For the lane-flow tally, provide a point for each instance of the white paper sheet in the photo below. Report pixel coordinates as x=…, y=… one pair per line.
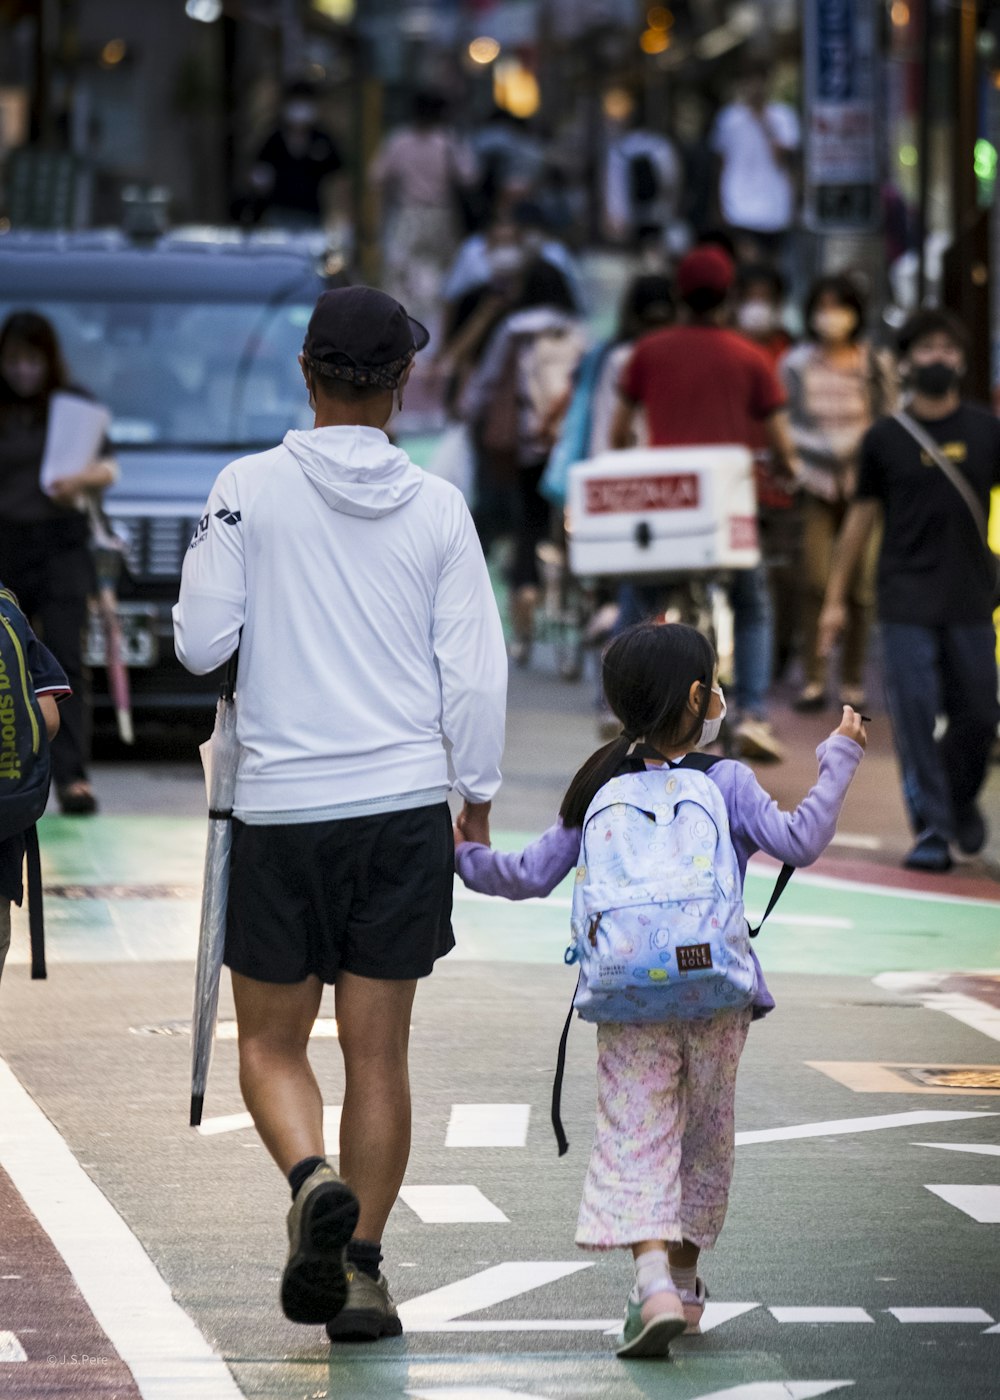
x=75, y=432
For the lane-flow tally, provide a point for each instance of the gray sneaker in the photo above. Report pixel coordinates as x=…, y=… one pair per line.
x=321, y=1221
x=369, y=1312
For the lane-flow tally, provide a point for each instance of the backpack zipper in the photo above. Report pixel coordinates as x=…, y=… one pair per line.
x=595, y=924
x=28, y=696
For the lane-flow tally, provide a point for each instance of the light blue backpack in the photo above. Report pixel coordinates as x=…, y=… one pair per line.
x=659, y=929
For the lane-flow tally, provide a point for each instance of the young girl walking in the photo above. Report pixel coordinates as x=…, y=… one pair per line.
x=662, y=1162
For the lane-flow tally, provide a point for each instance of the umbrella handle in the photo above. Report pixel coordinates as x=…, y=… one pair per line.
x=228, y=689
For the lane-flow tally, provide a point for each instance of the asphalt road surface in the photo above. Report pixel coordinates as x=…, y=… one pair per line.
x=862, y=1250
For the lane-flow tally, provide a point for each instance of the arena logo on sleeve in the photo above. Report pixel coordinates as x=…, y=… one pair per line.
x=229, y=517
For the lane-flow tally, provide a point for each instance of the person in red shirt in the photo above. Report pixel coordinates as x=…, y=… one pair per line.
x=700, y=382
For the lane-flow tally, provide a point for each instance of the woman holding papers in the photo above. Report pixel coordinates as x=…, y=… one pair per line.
x=44, y=526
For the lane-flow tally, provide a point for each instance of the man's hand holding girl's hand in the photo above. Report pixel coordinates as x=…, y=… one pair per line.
x=852, y=727
x=473, y=824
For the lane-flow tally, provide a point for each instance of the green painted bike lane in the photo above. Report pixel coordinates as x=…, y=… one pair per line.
x=125, y=888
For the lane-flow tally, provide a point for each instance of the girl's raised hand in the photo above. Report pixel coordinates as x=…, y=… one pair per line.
x=852, y=727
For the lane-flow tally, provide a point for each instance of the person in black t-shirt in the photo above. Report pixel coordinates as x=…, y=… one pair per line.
x=293, y=163
x=45, y=535
x=935, y=589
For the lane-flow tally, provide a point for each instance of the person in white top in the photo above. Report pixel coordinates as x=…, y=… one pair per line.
x=418, y=179
x=755, y=141
x=371, y=679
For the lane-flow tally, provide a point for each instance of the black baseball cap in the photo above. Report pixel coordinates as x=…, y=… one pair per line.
x=363, y=336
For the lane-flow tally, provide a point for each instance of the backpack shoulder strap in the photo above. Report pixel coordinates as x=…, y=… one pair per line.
x=703, y=763
x=36, y=919
x=924, y=440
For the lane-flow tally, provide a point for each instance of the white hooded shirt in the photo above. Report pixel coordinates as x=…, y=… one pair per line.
x=372, y=667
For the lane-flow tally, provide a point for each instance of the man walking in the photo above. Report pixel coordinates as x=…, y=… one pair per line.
x=372, y=676
x=701, y=383
x=924, y=473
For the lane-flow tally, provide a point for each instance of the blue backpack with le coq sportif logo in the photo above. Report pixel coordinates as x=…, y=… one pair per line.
x=25, y=771
x=659, y=928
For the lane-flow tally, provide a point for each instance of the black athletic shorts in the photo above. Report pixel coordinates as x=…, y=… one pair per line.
x=369, y=895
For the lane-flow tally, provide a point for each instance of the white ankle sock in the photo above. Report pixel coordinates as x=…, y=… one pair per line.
x=652, y=1274
x=685, y=1280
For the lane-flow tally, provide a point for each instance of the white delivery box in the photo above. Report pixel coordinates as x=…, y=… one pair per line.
x=662, y=510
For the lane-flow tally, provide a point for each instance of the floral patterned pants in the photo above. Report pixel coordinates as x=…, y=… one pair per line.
x=662, y=1161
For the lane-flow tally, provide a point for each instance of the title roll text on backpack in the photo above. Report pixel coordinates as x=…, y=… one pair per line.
x=25, y=771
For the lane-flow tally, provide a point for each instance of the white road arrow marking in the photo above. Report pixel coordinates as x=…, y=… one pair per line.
x=820, y=1315
x=776, y=1390
x=11, y=1349
x=483, y=1290
x=986, y=1149
x=837, y=1126
x=980, y=1203
x=969, y=1010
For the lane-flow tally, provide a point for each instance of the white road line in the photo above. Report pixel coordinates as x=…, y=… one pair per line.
x=765, y=867
x=331, y=1128
x=11, y=1349
x=950, y=1315
x=857, y=841
x=488, y=1125
x=452, y=1205
x=820, y=1315
x=160, y=1344
x=979, y=1203
x=225, y=1123
x=837, y=1126
x=715, y=1315
x=984, y=1149
x=472, y=1392
x=482, y=1290
x=776, y=1390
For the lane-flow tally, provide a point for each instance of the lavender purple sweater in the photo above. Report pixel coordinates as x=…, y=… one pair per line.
x=756, y=823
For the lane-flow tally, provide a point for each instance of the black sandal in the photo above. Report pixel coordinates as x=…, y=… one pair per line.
x=77, y=800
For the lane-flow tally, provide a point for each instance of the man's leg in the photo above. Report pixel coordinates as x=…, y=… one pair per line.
x=373, y=1024
x=280, y=1090
x=753, y=639
x=912, y=667
x=279, y=1087
x=969, y=673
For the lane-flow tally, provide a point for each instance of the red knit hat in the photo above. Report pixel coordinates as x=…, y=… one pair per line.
x=708, y=269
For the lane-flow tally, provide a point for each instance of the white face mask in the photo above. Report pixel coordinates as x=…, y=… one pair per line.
x=756, y=317
x=710, y=729
x=836, y=324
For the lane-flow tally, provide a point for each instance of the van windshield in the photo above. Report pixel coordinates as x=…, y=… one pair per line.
x=187, y=374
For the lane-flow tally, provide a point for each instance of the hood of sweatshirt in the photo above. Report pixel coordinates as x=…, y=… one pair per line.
x=356, y=470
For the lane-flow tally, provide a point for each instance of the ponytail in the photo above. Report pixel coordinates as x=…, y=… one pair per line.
x=599, y=769
x=647, y=674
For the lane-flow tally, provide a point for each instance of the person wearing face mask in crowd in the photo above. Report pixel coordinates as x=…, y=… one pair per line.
x=936, y=586
x=45, y=535
x=293, y=164
x=760, y=296
x=837, y=385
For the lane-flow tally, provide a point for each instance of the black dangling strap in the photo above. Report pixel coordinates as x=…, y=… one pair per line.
x=787, y=871
x=557, y=1083
x=36, y=913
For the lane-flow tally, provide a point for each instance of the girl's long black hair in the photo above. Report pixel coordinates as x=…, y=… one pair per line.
x=648, y=672
x=28, y=328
